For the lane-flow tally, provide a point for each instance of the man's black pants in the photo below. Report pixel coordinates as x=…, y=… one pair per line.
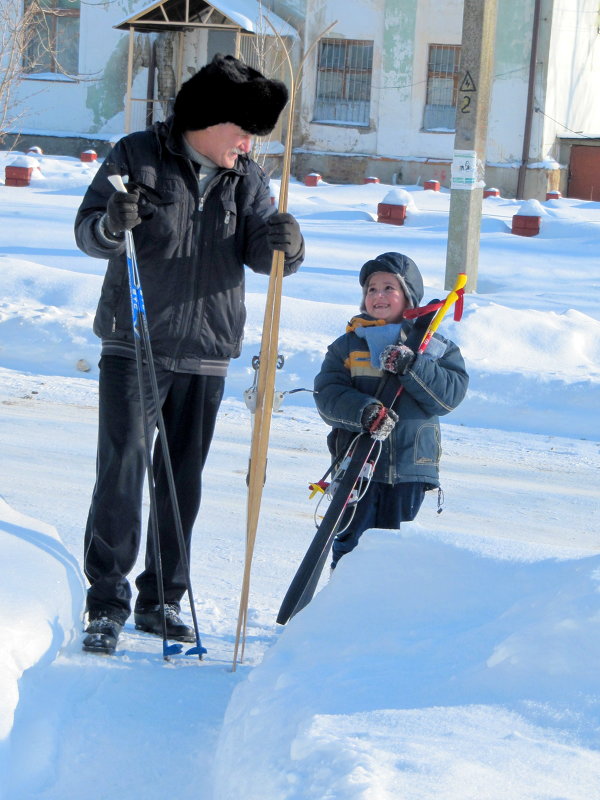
x=112, y=538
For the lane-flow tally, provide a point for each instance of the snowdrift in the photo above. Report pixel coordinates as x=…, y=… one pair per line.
x=426, y=670
x=41, y=597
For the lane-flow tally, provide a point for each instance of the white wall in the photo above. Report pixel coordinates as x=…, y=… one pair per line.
x=94, y=101
x=401, y=31
x=573, y=72
x=364, y=22
x=401, y=114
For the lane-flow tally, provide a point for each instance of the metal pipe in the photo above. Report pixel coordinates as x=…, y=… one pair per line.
x=530, y=101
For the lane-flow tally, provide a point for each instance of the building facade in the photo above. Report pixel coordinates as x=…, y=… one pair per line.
x=378, y=93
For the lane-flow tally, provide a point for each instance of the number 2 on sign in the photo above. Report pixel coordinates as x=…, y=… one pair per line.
x=466, y=102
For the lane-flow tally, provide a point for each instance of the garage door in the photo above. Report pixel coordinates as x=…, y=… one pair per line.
x=584, y=173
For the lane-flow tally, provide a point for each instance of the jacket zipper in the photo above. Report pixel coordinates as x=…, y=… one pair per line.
x=186, y=322
x=199, y=240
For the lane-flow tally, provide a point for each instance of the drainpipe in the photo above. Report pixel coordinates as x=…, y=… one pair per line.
x=530, y=101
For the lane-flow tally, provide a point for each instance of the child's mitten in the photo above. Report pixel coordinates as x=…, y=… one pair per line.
x=379, y=421
x=397, y=358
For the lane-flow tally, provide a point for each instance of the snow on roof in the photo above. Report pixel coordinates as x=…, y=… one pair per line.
x=249, y=15
x=255, y=15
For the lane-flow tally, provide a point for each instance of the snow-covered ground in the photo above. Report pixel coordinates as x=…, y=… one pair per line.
x=454, y=660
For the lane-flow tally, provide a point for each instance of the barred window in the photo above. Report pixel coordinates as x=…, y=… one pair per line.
x=344, y=74
x=442, y=87
x=54, y=42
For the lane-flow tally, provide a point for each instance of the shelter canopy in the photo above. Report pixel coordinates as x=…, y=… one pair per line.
x=249, y=16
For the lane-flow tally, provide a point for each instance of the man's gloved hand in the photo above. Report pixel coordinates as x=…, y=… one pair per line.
x=378, y=421
x=283, y=233
x=122, y=211
x=397, y=358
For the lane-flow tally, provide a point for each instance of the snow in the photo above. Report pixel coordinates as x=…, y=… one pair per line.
x=25, y=161
x=409, y=730
x=456, y=658
x=399, y=197
x=531, y=208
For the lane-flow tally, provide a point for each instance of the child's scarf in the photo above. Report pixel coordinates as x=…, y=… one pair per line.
x=378, y=337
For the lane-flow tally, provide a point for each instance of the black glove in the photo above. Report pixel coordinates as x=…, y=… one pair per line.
x=122, y=211
x=283, y=233
x=378, y=421
x=397, y=358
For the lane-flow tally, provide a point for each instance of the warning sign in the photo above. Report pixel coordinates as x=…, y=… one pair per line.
x=468, y=84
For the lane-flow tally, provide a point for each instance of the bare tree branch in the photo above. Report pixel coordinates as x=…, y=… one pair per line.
x=16, y=33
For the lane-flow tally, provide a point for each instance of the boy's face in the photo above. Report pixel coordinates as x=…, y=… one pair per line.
x=384, y=298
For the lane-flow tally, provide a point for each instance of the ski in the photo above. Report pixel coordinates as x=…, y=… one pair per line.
x=306, y=579
x=267, y=365
x=304, y=583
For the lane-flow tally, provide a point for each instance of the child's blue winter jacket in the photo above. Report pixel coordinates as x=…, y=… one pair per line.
x=434, y=385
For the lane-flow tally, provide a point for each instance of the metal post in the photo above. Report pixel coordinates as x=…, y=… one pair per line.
x=530, y=101
x=474, y=89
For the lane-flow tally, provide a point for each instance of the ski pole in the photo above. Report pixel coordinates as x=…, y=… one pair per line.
x=454, y=296
x=138, y=313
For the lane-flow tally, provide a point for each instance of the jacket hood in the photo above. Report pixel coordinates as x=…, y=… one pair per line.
x=403, y=267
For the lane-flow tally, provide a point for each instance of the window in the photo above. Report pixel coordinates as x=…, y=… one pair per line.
x=344, y=73
x=442, y=87
x=54, y=43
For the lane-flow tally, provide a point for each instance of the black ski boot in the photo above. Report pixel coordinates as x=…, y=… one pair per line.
x=102, y=635
x=149, y=619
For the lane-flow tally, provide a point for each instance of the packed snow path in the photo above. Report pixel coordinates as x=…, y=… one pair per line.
x=155, y=726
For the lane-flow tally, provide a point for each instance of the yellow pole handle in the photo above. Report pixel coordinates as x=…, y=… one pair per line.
x=452, y=297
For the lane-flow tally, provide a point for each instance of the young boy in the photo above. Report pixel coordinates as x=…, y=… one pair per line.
x=433, y=383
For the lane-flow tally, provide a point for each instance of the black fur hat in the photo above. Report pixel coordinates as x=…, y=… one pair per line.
x=227, y=90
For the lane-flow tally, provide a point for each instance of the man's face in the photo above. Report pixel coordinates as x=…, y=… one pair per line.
x=221, y=143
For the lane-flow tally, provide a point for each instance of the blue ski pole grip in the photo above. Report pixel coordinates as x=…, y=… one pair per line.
x=134, y=297
x=137, y=298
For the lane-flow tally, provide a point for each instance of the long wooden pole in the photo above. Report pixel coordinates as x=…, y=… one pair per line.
x=267, y=365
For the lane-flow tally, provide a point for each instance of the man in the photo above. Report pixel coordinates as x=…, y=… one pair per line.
x=199, y=209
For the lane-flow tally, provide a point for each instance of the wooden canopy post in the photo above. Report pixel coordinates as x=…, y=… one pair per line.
x=129, y=80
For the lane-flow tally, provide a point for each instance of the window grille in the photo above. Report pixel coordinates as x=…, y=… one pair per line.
x=442, y=87
x=344, y=73
x=54, y=43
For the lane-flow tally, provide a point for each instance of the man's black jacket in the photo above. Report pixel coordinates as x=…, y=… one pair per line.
x=191, y=252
